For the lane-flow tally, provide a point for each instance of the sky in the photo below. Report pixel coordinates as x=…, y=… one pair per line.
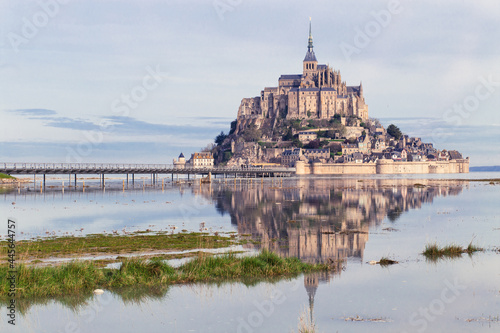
x=140, y=81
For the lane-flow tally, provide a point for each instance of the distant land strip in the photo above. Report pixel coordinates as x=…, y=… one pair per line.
x=485, y=168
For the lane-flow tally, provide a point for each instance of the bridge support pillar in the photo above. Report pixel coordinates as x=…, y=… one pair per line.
x=133, y=179
x=44, y=180
x=75, y=180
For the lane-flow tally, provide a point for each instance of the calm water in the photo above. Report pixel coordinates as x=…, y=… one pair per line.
x=316, y=219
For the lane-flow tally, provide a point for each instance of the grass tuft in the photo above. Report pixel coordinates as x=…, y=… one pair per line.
x=386, y=261
x=306, y=323
x=434, y=252
x=470, y=249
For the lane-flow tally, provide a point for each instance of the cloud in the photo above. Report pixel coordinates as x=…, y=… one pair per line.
x=132, y=126
x=125, y=125
x=34, y=112
x=69, y=123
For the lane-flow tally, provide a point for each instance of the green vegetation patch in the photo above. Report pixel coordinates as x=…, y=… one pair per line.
x=80, y=277
x=4, y=176
x=434, y=252
x=386, y=261
x=92, y=244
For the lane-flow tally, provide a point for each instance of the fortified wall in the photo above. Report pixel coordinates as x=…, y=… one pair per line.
x=382, y=167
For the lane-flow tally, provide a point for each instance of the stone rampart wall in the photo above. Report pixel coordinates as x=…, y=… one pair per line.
x=383, y=167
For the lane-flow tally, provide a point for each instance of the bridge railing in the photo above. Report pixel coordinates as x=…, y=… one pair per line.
x=114, y=167
x=82, y=166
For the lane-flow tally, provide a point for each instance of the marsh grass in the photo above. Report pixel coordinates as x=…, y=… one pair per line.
x=229, y=267
x=81, y=277
x=5, y=176
x=472, y=248
x=384, y=261
x=434, y=252
x=70, y=246
x=306, y=323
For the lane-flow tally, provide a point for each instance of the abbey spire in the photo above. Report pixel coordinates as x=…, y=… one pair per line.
x=310, y=63
x=310, y=52
x=310, y=41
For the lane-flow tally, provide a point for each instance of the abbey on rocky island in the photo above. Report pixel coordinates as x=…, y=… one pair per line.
x=317, y=93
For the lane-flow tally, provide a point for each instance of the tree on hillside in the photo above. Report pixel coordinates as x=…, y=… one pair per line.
x=297, y=143
x=330, y=134
x=219, y=139
x=394, y=131
x=314, y=144
x=296, y=124
x=374, y=122
x=209, y=148
x=288, y=136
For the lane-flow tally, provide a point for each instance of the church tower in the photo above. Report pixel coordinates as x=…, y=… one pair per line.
x=310, y=62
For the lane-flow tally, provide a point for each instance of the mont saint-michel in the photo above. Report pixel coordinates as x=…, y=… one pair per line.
x=317, y=123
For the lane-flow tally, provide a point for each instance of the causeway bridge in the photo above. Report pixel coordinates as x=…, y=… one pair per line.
x=102, y=169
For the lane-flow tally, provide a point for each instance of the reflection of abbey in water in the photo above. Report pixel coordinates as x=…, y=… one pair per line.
x=317, y=220
x=321, y=220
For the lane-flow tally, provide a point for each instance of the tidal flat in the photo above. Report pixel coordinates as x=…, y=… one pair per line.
x=344, y=223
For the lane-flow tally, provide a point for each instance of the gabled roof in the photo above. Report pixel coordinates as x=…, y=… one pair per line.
x=290, y=77
x=455, y=155
x=357, y=156
x=289, y=152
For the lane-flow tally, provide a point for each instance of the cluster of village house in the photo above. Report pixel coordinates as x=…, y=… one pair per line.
x=197, y=160
x=374, y=145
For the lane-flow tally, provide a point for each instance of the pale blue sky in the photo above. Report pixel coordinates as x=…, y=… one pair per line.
x=66, y=69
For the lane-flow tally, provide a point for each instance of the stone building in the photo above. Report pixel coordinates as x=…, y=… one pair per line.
x=290, y=156
x=317, y=154
x=201, y=160
x=180, y=163
x=317, y=93
x=306, y=136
